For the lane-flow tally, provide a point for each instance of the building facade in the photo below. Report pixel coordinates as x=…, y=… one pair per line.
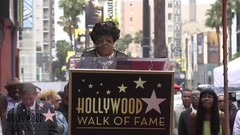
x=10, y=23
x=38, y=39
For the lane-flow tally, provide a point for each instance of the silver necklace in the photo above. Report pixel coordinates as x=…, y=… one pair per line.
x=105, y=64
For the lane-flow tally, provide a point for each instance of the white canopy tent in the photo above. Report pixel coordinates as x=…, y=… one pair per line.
x=233, y=74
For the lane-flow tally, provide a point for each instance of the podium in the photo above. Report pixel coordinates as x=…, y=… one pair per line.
x=121, y=97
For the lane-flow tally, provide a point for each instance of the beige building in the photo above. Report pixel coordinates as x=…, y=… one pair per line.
x=131, y=22
x=37, y=42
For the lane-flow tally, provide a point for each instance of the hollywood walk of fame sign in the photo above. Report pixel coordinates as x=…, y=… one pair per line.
x=120, y=102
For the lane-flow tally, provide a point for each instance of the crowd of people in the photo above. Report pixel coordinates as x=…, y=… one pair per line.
x=202, y=113
x=26, y=111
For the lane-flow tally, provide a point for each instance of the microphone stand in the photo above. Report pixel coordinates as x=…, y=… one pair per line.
x=86, y=50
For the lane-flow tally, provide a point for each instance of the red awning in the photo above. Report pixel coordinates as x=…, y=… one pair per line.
x=176, y=86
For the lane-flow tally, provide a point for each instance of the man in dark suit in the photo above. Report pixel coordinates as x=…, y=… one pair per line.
x=184, y=116
x=31, y=116
x=3, y=110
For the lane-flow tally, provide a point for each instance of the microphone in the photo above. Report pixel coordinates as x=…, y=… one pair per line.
x=96, y=46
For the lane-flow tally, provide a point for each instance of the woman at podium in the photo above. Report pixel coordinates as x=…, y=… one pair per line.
x=104, y=35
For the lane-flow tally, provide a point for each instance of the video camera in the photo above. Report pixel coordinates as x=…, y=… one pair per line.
x=232, y=96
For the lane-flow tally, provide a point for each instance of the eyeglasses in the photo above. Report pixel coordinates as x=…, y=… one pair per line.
x=220, y=101
x=58, y=100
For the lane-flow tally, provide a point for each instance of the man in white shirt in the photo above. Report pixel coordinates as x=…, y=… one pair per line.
x=236, y=126
x=186, y=104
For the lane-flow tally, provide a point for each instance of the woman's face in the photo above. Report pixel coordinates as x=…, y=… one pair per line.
x=207, y=101
x=105, y=50
x=57, y=101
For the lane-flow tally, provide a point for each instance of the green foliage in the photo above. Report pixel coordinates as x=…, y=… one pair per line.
x=62, y=48
x=128, y=39
x=71, y=10
x=120, y=45
x=123, y=43
x=214, y=16
x=236, y=5
x=236, y=55
x=72, y=7
x=138, y=37
x=66, y=23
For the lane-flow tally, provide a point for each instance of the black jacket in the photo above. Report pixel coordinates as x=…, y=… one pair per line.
x=184, y=122
x=18, y=121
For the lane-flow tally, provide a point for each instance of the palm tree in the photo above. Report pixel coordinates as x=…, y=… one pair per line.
x=237, y=11
x=66, y=23
x=138, y=37
x=71, y=10
x=230, y=16
x=214, y=20
x=160, y=50
x=127, y=39
x=120, y=45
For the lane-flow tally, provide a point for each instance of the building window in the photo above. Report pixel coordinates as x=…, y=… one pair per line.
x=131, y=13
x=131, y=19
x=170, y=39
x=170, y=4
x=131, y=28
x=169, y=16
x=170, y=28
x=131, y=4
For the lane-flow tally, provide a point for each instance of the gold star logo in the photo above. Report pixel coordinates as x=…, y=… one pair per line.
x=140, y=83
x=108, y=92
x=90, y=86
x=122, y=88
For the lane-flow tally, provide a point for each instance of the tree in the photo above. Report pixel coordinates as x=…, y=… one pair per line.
x=120, y=45
x=237, y=11
x=62, y=49
x=66, y=23
x=138, y=37
x=160, y=49
x=127, y=39
x=214, y=20
x=71, y=10
x=230, y=16
x=123, y=43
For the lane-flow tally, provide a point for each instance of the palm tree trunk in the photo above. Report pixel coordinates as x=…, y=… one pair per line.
x=159, y=29
x=70, y=32
x=230, y=42
x=238, y=29
x=219, y=52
